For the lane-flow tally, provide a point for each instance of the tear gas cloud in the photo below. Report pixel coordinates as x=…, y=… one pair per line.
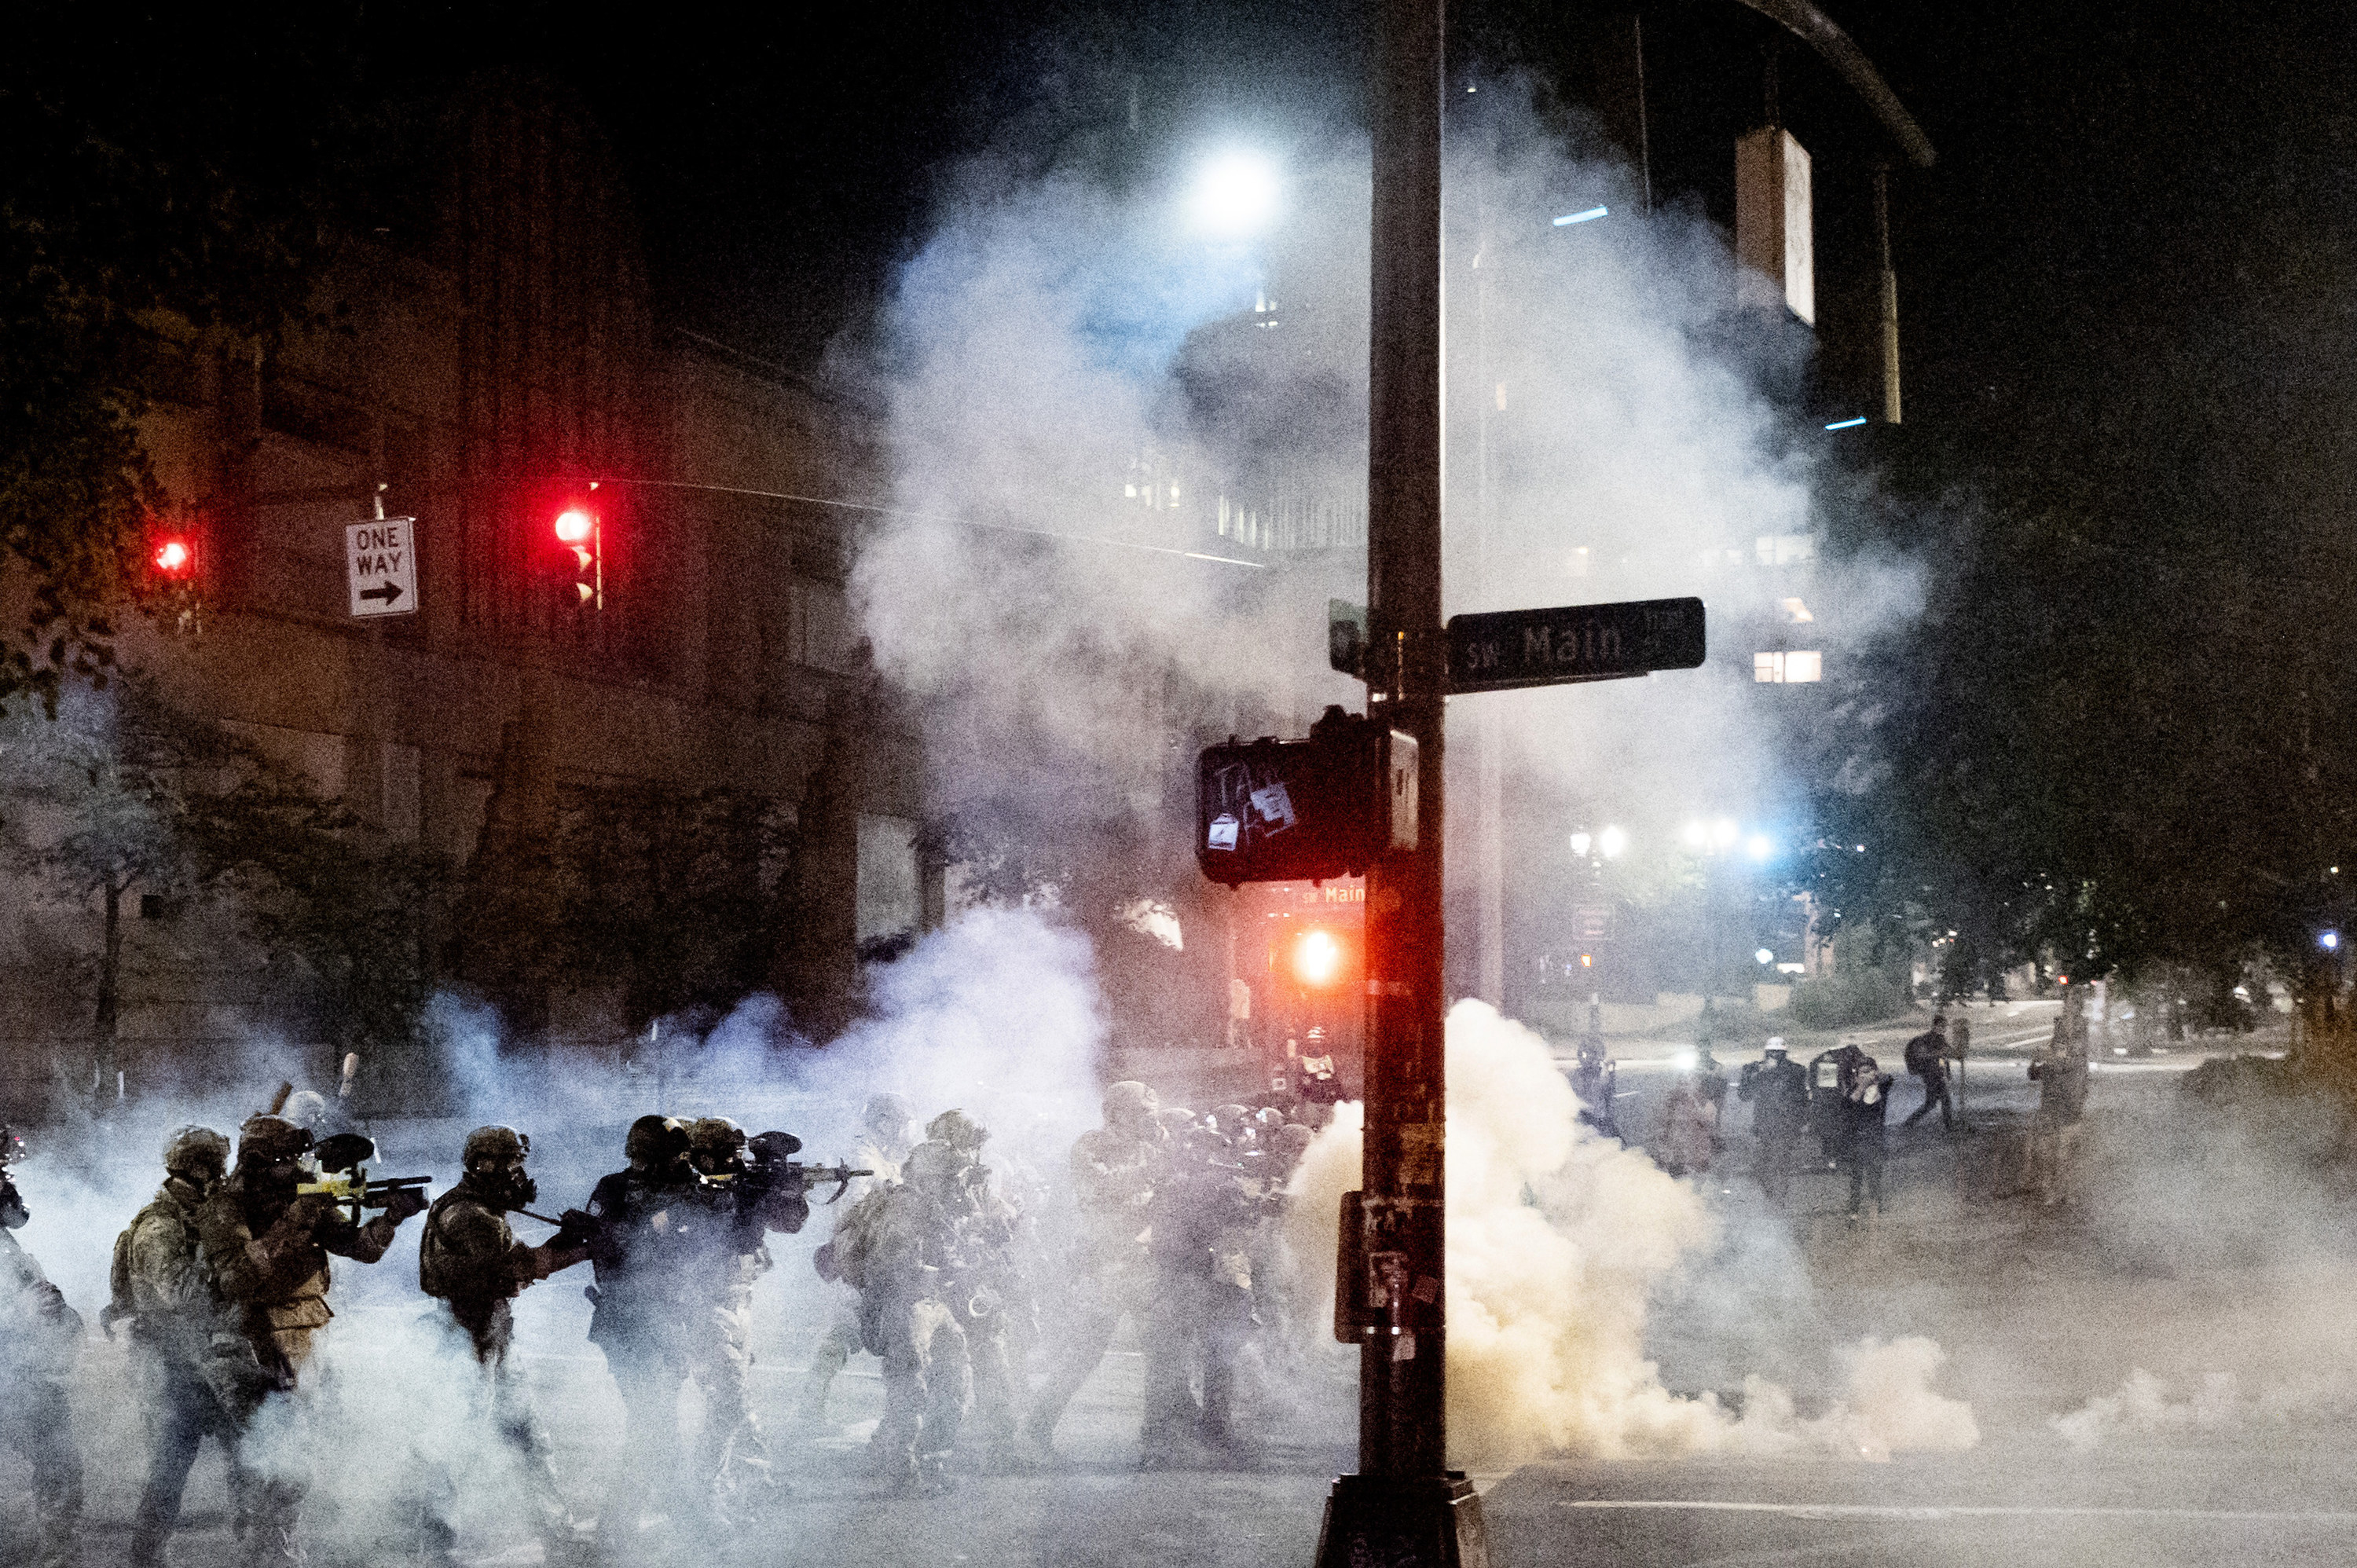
x=1087, y=363
x=1558, y=1240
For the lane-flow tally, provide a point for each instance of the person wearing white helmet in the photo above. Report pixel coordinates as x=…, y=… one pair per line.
x=1776, y=1089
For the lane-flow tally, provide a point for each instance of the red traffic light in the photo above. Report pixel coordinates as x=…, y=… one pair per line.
x=1316, y=958
x=575, y=525
x=173, y=556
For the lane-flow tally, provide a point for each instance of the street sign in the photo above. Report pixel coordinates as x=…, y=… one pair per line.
x=1500, y=651
x=380, y=566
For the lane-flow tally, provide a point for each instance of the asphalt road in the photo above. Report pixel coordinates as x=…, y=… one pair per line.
x=2208, y=1257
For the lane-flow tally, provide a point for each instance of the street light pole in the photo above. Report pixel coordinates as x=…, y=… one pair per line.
x=1404, y=1505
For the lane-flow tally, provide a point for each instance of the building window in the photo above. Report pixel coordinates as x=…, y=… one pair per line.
x=890, y=893
x=1796, y=612
x=1785, y=549
x=1787, y=669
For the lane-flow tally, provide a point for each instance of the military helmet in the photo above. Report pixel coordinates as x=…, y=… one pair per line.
x=714, y=1137
x=886, y=1113
x=272, y=1138
x=658, y=1140
x=930, y=1162
x=1176, y=1120
x=1129, y=1103
x=305, y=1108
x=196, y=1151
x=1231, y=1118
x=494, y=1145
x=958, y=1130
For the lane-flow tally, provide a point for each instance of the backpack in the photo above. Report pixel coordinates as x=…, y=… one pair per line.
x=1923, y=1054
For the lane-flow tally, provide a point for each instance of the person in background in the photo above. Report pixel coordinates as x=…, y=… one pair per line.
x=1927, y=1058
x=1866, y=1100
x=1776, y=1089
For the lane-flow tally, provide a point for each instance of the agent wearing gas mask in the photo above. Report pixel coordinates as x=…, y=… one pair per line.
x=470, y=1259
x=40, y=1336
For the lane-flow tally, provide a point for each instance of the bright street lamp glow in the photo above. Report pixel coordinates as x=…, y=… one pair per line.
x=1590, y=216
x=1724, y=832
x=1694, y=835
x=1235, y=196
x=1579, y=843
x=2328, y=941
x=1612, y=840
x=1765, y=955
x=1759, y=846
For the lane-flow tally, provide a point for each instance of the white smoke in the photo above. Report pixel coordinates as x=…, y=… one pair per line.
x=1558, y=1240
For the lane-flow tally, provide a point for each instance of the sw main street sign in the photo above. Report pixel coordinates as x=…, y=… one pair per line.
x=381, y=566
x=1507, y=649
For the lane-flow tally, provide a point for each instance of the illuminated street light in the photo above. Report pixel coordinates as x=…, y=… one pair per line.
x=1694, y=835
x=2328, y=941
x=1579, y=843
x=1724, y=832
x=1235, y=196
x=1759, y=846
x=1612, y=841
x=1765, y=955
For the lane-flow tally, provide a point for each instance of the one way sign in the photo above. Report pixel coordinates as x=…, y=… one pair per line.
x=381, y=566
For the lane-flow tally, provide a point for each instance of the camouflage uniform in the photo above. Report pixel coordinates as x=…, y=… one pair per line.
x=39, y=1335
x=733, y=1454
x=1110, y=1276
x=163, y=1284
x=899, y=1248
x=1201, y=1224
x=469, y=1258
x=268, y=1252
x=886, y=1145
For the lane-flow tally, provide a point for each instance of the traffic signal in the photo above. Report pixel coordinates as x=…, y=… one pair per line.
x=1317, y=956
x=581, y=533
x=1305, y=811
x=175, y=557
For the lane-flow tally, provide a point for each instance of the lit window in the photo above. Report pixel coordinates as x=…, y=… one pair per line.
x=1788, y=668
x=1796, y=612
x=1129, y=492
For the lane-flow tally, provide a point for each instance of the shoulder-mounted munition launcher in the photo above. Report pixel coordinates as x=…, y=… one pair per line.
x=343, y=1175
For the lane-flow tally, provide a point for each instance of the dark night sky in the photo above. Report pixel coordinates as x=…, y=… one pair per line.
x=2109, y=176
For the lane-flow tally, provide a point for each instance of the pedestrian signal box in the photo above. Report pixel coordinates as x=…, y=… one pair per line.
x=1305, y=811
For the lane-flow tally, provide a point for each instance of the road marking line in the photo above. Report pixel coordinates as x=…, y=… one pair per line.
x=1900, y=1511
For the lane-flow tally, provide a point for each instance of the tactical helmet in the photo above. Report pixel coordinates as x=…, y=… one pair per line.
x=930, y=1163
x=1233, y=1118
x=886, y=1114
x=1775, y=1046
x=1176, y=1120
x=1269, y=1119
x=958, y=1130
x=305, y=1108
x=494, y=1145
x=715, y=1140
x=657, y=1140
x=1129, y=1103
x=1292, y=1141
x=270, y=1139
x=194, y=1151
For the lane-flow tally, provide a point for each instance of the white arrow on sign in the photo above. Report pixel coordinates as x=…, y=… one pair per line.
x=380, y=566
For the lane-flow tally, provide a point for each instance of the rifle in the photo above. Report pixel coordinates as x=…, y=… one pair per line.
x=343, y=1175
x=773, y=1167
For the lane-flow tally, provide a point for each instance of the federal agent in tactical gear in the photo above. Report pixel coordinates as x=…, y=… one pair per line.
x=652, y=1225
x=268, y=1249
x=1109, y=1275
x=1200, y=1222
x=752, y=1198
x=39, y=1337
x=162, y=1284
x=469, y=1258
x=888, y=1134
x=903, y=1249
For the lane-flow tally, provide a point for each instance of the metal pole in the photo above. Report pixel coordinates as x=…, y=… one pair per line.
x=1489, y=825
x=1890, y=404
x=1404, y=1505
